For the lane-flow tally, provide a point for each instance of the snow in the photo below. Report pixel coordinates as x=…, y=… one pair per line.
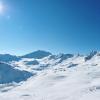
x=56, y=80
x=9, y=74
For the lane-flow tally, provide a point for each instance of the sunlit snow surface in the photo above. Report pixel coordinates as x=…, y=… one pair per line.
x=72, y=79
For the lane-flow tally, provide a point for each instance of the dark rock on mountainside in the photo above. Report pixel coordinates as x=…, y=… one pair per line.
x=93, y=53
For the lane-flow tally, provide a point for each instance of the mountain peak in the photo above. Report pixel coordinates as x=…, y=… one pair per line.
x=37, y=54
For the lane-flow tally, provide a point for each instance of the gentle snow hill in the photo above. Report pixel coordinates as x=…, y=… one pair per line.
x=58, y=77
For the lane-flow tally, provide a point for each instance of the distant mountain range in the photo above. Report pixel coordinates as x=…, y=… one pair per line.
x=37, y=55
x=41, y=54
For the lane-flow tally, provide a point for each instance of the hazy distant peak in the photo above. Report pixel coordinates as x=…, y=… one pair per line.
x=37, y=54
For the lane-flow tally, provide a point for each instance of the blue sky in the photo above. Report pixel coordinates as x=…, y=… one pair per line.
x=68, y=26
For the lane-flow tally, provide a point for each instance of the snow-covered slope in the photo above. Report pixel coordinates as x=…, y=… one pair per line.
x=9, y=74
x=58, y=77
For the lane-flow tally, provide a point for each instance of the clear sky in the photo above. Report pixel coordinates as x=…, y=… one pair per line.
x=68, y=26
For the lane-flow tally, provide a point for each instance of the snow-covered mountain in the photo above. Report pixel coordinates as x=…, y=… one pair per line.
x=8, y=58
x=43, y=76
x=37, y=54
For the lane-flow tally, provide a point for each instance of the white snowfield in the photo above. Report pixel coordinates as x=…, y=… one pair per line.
x=70, y=79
